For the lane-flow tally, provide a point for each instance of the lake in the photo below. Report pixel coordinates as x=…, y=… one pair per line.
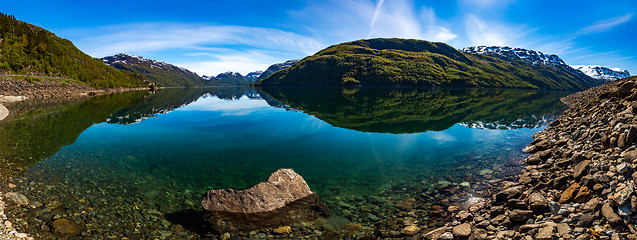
x=136, y=164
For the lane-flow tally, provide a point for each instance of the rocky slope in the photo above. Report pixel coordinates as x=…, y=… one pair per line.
x=579, y=182
x=161, y=73
x=603, y=73
x=276, y=67
x=408, y=62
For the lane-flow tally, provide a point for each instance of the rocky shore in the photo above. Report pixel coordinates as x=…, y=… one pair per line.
x=579, y=182
x=44, y=88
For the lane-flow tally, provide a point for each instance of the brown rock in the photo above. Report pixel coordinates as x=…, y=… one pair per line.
x=610, y=215
x=583, y=195
x=519, y=215
x=65, y=227
x=479, y=234
x=630, y=156
x=410, y=230
x=569, y=193
x=580, y=168
x=462, y=230
x=598, y=187
x=537, y=202
x=546, y=233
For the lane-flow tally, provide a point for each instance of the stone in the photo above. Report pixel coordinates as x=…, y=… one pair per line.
x=519, y=215
x=622, y=168
x=18, y=198
x=630, y=156
x=624, y=210
x=546, y=233
x=580, y=168
x=283, y=230
x=410, y=230
x=598, y=187
x=583, y=195
x=554, y=207
x=610, y=215
x=563, y=229
x=569, y=193
x=507, y=193
x=284, y=199
x=622, y=194
x=446, y=236
x=479, y=234
x=464, y=216
x=65, y=227
x=537, y=202
x=462, y=230
x=586, y=220
x=436, y=233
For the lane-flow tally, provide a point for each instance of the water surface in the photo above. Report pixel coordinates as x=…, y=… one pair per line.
x=122, y=165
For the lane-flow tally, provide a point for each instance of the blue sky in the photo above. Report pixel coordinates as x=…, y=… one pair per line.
x=210, y=37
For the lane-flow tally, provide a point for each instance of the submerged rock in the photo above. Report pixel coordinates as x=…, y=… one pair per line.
x=65, y=227
x=18, y=198
x=284, y=199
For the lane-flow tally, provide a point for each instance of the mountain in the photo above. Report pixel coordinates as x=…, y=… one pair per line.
x=603, y=73
x=27, y=49
x=230, y=78
x=161, y=73
x=254, y=76
x=276, y=67
x=510, y=54
x=406, y=62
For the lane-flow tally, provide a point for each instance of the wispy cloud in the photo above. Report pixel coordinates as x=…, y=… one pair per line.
x=148, y=37
x=341, y=21
x=606, y=25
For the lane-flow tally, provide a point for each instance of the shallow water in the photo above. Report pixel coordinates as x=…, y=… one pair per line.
x=127, y=165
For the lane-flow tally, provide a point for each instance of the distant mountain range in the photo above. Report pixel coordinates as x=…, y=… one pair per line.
x=408, y=62
x=161, y=73
x=603, y=73
x=277, y=67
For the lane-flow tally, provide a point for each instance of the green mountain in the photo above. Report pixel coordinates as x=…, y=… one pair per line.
x=161, y=73
x=30, y=50
x=405, y=62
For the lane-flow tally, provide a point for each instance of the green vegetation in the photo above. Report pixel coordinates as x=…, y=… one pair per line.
x=403, y=62
x=30, y=50
x=401, y=110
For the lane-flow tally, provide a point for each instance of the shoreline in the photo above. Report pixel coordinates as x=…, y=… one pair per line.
x=578, y=182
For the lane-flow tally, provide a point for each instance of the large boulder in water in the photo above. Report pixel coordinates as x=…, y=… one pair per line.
x=284, y=199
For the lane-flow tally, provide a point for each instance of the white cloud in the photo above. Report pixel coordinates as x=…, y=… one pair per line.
x=481, y=32
x=341, y=21
x=606, y=25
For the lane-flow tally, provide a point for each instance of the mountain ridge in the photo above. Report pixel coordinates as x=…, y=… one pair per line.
x=409, y=62
x=602, y=73
x=161, y=73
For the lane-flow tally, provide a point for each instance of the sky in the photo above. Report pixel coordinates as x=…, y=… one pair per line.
x=214, y=36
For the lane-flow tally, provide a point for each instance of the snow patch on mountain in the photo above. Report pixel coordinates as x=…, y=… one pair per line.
x=132, y=59
x=508, y=53
x=602, y=73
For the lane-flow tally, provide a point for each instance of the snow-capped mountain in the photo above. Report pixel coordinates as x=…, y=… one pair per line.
x=508, y=53
x=276, y=67
x=253, y=76
x=161, y=73
x=132, y=59
x=602, y=73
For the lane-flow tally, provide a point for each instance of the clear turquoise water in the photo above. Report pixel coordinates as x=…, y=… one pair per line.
x=168, y=161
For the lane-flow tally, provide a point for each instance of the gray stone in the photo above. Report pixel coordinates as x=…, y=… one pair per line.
x=18, y=198
x=537, y=202
x=554, y=207
x=624, y=210
x=622, y=168
x=446, y=236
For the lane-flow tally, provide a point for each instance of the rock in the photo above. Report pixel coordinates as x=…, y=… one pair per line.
x=18, y=198
x=622, y=168
x=586, y=220
x=410, y=230
x=624, y=210
x=546, y=233
x=563, y=229
x=284, y=199
x=464, y=216
x=283, y=230
x=610, y=215
x=537, y=202
x=630, y=156
x=580, y=168
x=65, y=227
x=598, y=187
x=583, y=195
x=554, y=207
x=622, y=194
x=511, y=192
x=569, y=193
x=436, y=233
x=462, y=230
x=479, y=234
x=519, y=215
x=446, y=236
